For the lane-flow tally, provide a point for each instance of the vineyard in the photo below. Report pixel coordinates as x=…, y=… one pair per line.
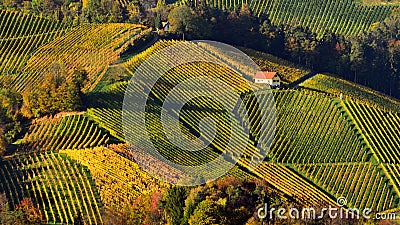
x=88, y=47
x=310, y=128
x=293, y=184
x=351, y=91
x=69, y=132
x=340, y=139
x=126, y=152
x=313, y=129
x=363, y=184
x=132, y=64
x=111, y=120
x=118, y=180
x=345, y=17
x=20, y=36
x=380, y=130
x=56, y=184
x=329, y=138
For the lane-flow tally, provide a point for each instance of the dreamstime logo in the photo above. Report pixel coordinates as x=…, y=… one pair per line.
x=341, y=201
x=170, y=94
x=332, y=212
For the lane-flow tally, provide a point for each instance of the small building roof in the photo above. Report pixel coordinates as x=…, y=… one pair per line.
x=264, y=75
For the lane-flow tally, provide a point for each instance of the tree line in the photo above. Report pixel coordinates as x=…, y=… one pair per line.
x=227, y=201
x=74, y=12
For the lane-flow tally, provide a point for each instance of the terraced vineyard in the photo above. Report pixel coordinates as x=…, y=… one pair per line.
x=322, y=148
x=88, y=47
x=20, y=36
x=132, y=64
x=69, y=132
x=57, y=185
x=288, y=71
x=380, y=130
x=126, y=152
x=351, y=91
x=330, y=140
x=105, y=109
x=118, y=180
x=310, y=128
x=393, y=172
x=293, y=184
x=353, y=156
x=364, y=184
x=345, y=17
x=111, y=120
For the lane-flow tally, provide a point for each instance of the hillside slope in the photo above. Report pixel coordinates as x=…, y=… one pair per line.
x=347, y=17
x=59, y=186
x=20, y=36
x=312, y=129
x=335, y=86
x=88, y=47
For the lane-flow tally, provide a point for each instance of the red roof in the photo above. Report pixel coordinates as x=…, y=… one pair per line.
x=264, y=75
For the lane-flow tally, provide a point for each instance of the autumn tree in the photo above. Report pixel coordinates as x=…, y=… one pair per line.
x=32, y=215
x=357, y=58
x=10, y=118
x=25, y=213
x=186, y=22
x=134, y=12
x=57, y=93
x=173, y=203
x=208, y=212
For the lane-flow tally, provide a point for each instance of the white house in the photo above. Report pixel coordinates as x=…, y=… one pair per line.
x=271, y=78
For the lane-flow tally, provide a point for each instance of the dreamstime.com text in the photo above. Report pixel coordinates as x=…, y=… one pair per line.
x=336, y=212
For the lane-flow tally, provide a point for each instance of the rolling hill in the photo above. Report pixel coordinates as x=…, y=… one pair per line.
x=333, y=85
x=20, y=36
x=347, y=17
x=31, y=45
x=324, y=147
x=313, y=129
